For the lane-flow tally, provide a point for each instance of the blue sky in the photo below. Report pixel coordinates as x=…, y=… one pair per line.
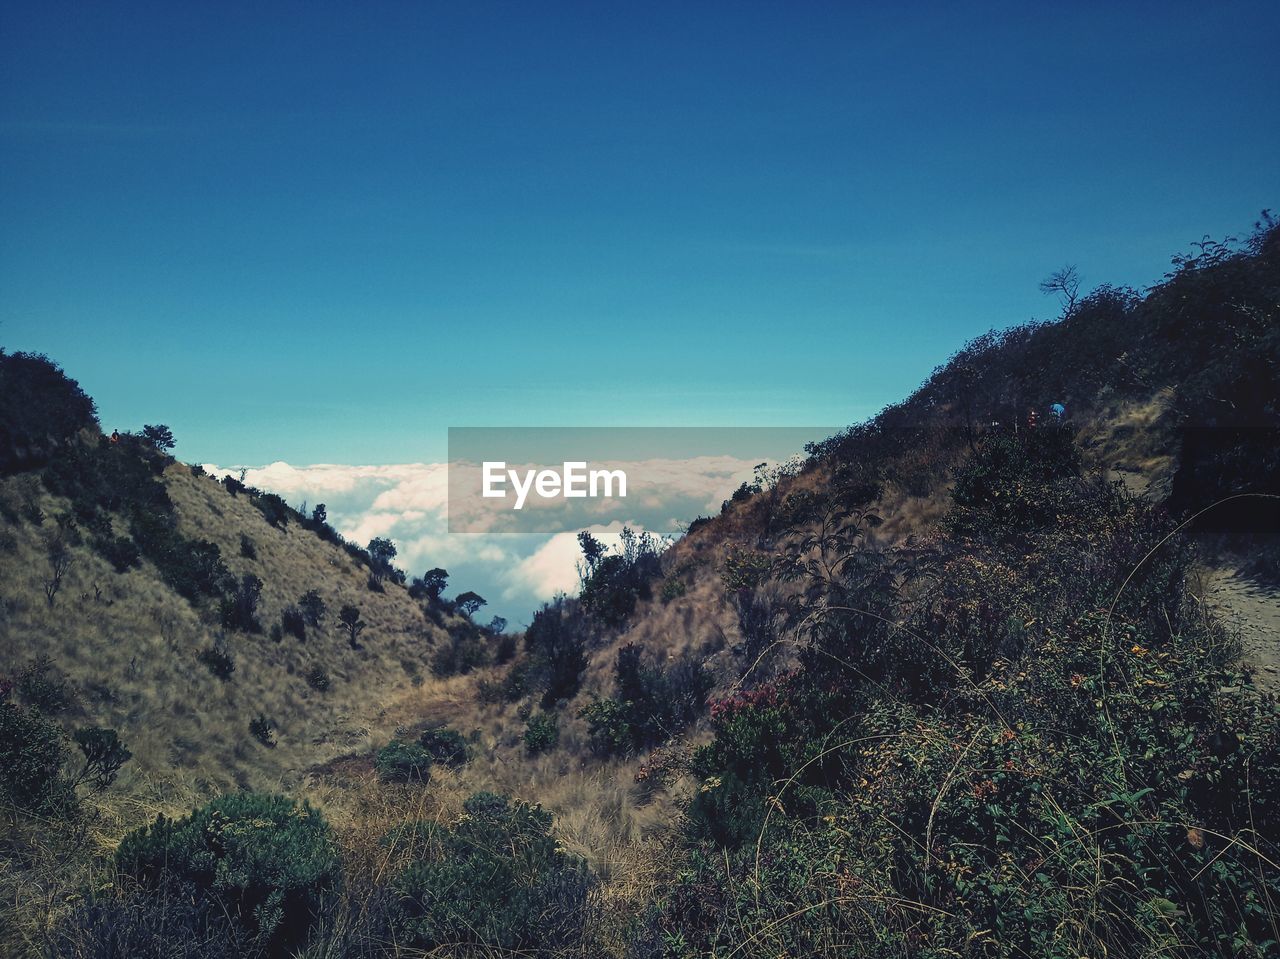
x=323, y=233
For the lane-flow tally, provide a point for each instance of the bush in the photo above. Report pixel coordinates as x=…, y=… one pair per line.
x=40, y=407
x=497, y=878
x=219, y=662
x=466, y=649
x=446, y=746
x=557, y=644
x=247, y=548
x=42, y=688
x=505, y=650
x=541, y=733
x=103, y=754
x=270, y=865
x=263, y=730
x=318, y=679
x=120, y=551
x=32, y=752
x=240, y=608
x=294, y=623
x=652, y=703
x=313, y=608
x=274, y=509
x=400, y=762
x=613, y=583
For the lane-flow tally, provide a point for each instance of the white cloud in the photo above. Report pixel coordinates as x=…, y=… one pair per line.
x=409, y=503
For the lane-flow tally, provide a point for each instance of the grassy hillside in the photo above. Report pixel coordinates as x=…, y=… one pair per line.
x=946, y=688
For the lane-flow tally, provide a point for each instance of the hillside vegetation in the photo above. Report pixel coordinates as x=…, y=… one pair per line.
x=945, y=688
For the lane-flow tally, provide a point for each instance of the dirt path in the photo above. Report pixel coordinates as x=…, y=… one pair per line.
x=1254, y=610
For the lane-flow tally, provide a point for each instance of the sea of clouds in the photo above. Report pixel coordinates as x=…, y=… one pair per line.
x=515, y=571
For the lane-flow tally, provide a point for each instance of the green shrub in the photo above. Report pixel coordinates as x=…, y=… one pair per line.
x=652, y=703
x=239, y=609
x=609, y=726
x=614, y=582
x=497, y=879
x=541, y=733
x=42, y=688
x=557, y=643
x=247, y=548
x=318, y=679
x=263, y=730
x=400, y=762
x=313, y=608
x=294, y=623
x=32, y=752
x=103, y=754
x=446, y=746
x=274, y=509
x=270, y=865
x=120, y=551
x=466, y=649
x=219, y=662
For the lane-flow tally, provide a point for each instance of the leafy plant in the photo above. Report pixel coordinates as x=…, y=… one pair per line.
x=541, y=733
x=269, y=865
x=446, y=746
x=496, y=878
x=401, y=762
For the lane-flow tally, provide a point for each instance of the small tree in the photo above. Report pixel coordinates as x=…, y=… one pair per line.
x=320, y=515
x=431, y=584
x=104, y=754
x=469, y=602
x=1065, y=284
x=313, y=608
x=240, y=608
x=497, y=626
x=381, y=552
x=158, y=437
x=349, y=618
x=59, y=563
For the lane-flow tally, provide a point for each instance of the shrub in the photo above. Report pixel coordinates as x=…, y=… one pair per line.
x=42, y=688
x=247, y=548
x=263, y=730
x=158, y=437
x=274, y=509
x=240, y=608
x=446, y=746
x=120, y=551
x=557, y=644
x=609, y=725
x=219, y=662
x=613, y=583
x=505, y=650
x=400, y=762
x=541, y=733
x=497, y=878
x=653, y=703
x=349, y=619
x=294, y=623
x=318, y=679
x=466, y=649
x=40, y=407
x=32, y=752
x=313, y=608
x=103, y=753
x=270, y=865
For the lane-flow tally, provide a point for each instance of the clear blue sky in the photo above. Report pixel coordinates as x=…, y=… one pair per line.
x=324, y=233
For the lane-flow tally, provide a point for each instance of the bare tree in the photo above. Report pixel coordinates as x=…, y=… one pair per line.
x=59, y=563
x=1065, y=285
